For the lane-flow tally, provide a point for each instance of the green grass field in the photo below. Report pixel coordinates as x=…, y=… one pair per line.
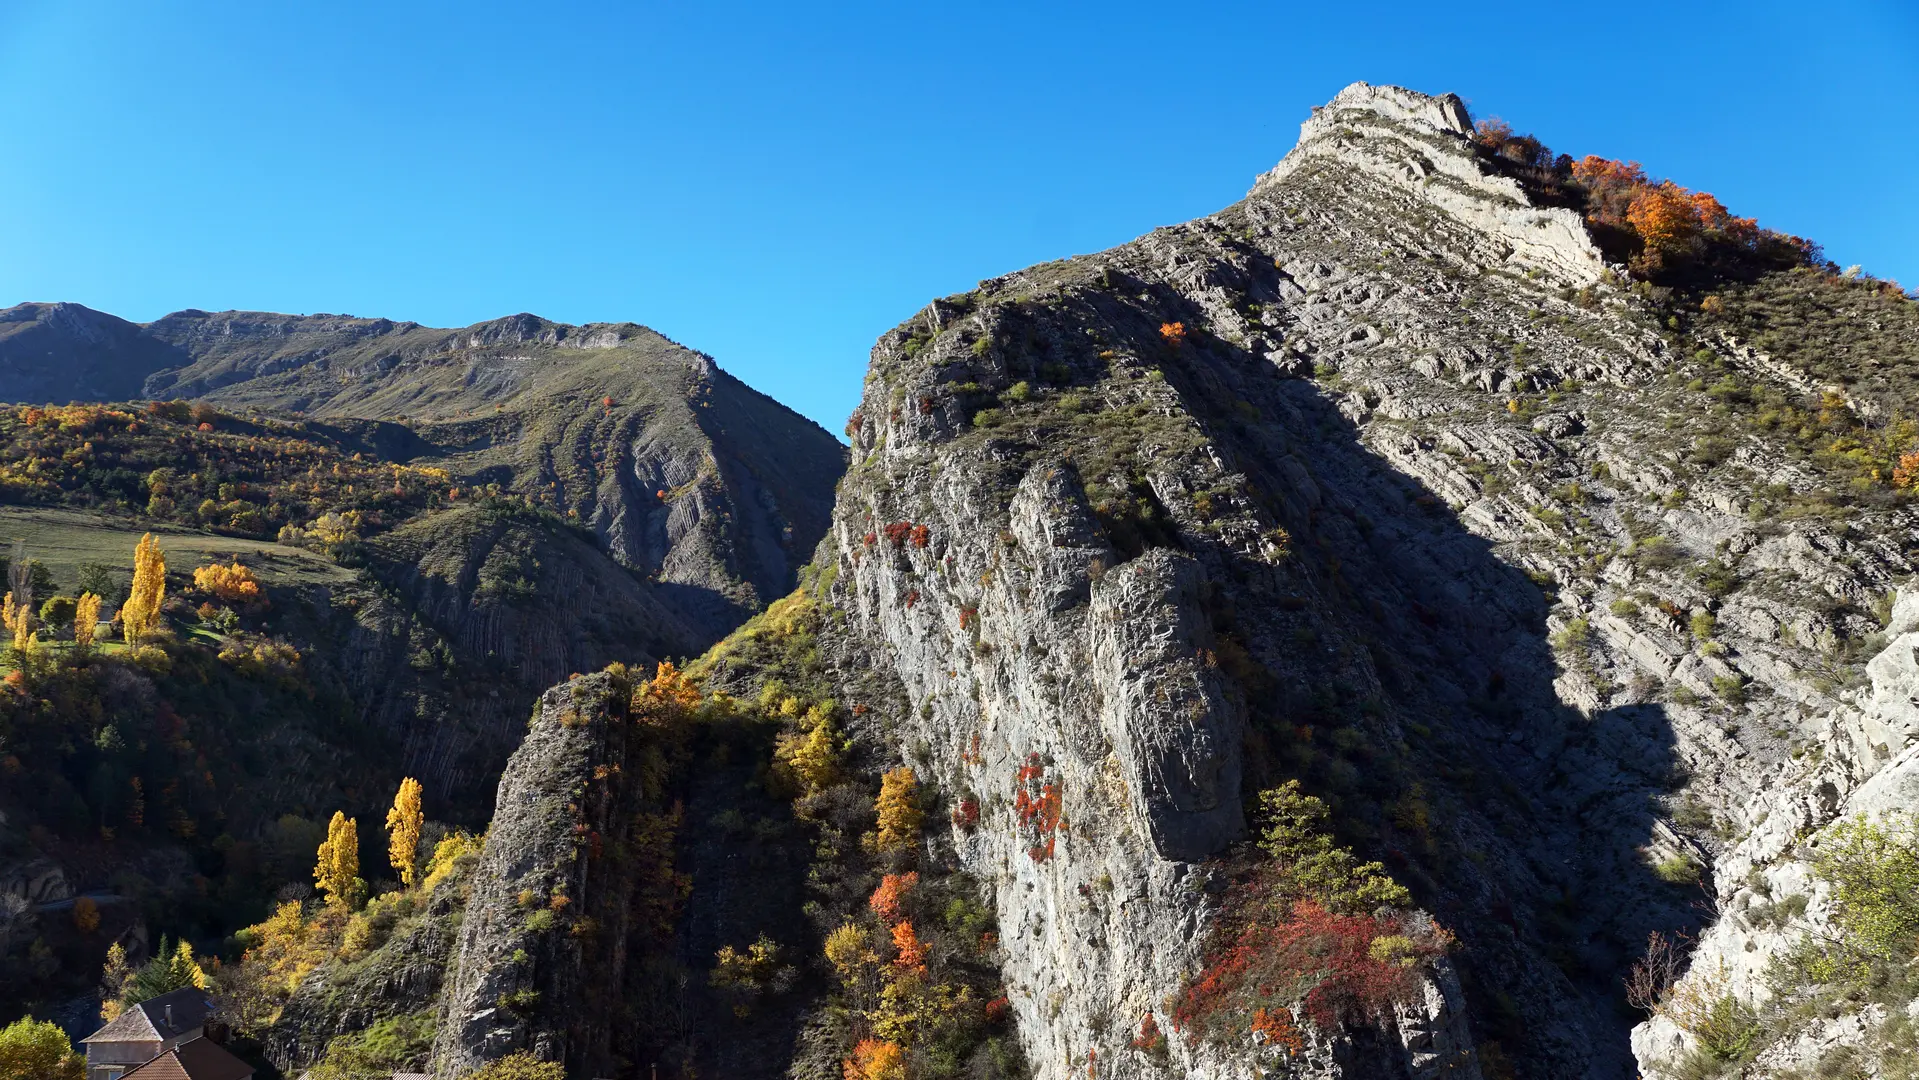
x=64, y=539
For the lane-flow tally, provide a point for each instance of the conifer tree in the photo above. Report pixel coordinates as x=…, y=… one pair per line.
x=403, y=824
x=114, y=978
x=338, y=870
x=142, y=609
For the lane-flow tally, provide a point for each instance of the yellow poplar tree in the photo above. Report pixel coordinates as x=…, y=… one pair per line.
x=403, y=824
x=86, y=620
x=19, y=620
x=142, y=609
x=899, y=809
x=338, y=869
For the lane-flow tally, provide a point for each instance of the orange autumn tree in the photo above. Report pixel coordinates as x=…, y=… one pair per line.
x=874, y=1059
x=912, y=951
x=1667, y=222
x=887, y=900
x=233, y=583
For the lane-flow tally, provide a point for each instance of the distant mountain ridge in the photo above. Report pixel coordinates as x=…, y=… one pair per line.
x=686, y=473
x=69, y=352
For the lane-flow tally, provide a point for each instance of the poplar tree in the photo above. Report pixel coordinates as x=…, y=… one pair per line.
x=403, y=824
x=86, y=621
x=338, y=870
x=142, y=609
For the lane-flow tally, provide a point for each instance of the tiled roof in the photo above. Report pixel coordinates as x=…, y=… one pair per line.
x=196, y=1059
x=147, y=1021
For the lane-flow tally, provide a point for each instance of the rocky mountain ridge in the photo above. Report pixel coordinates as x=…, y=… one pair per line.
x=1411, y=522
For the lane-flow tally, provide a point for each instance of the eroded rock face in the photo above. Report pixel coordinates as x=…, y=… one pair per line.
x=1353, y=481
x=524, y=975
x=1867, y=765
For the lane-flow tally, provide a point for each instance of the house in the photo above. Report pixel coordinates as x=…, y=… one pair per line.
x=162, y=1038
x=198, y=1059
x=145, y=1031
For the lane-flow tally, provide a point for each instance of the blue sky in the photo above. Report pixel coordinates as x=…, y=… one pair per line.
x=777, y=185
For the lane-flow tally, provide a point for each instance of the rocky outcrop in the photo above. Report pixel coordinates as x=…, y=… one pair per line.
x=542, y=948
x=1866, y=764
x=401, y=977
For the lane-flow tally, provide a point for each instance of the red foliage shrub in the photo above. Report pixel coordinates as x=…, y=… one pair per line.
x=898, y=532
x=967, y=615
x=1037, y=803
x=1150, y=1038
x=912, y=598
x=1329, y=961
x=966, y=815
x=922, y=536
x=1276, y=1027
x=870, y=539
x=1174, y=332
x=996, y=1010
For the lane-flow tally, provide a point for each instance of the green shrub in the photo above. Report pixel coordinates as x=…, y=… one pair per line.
x=1297, y=835
x=1573, y=635
x=1680, y=869
x=519, y=1066
x=1874, y=871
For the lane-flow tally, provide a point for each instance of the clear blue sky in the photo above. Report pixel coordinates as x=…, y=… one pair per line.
x=777, y=184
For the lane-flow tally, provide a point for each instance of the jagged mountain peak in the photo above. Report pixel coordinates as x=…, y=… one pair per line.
x=1421, y=146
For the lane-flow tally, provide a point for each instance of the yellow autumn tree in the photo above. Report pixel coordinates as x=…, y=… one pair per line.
x=86, y=621
x=403, y=824
x=899, y=810
x=141, y=612
x=338, y=870
x=19, y=620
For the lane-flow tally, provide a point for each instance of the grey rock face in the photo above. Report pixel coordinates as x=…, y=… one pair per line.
x=1164, y=569
x=1867, y=765
x=529, y=971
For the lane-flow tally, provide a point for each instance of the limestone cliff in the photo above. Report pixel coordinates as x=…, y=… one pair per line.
x=1383, y=478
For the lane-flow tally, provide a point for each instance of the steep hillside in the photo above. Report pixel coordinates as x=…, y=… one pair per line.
x=1386, y=480
x=422, y=585
x=1373, y=631
x=686, y=473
